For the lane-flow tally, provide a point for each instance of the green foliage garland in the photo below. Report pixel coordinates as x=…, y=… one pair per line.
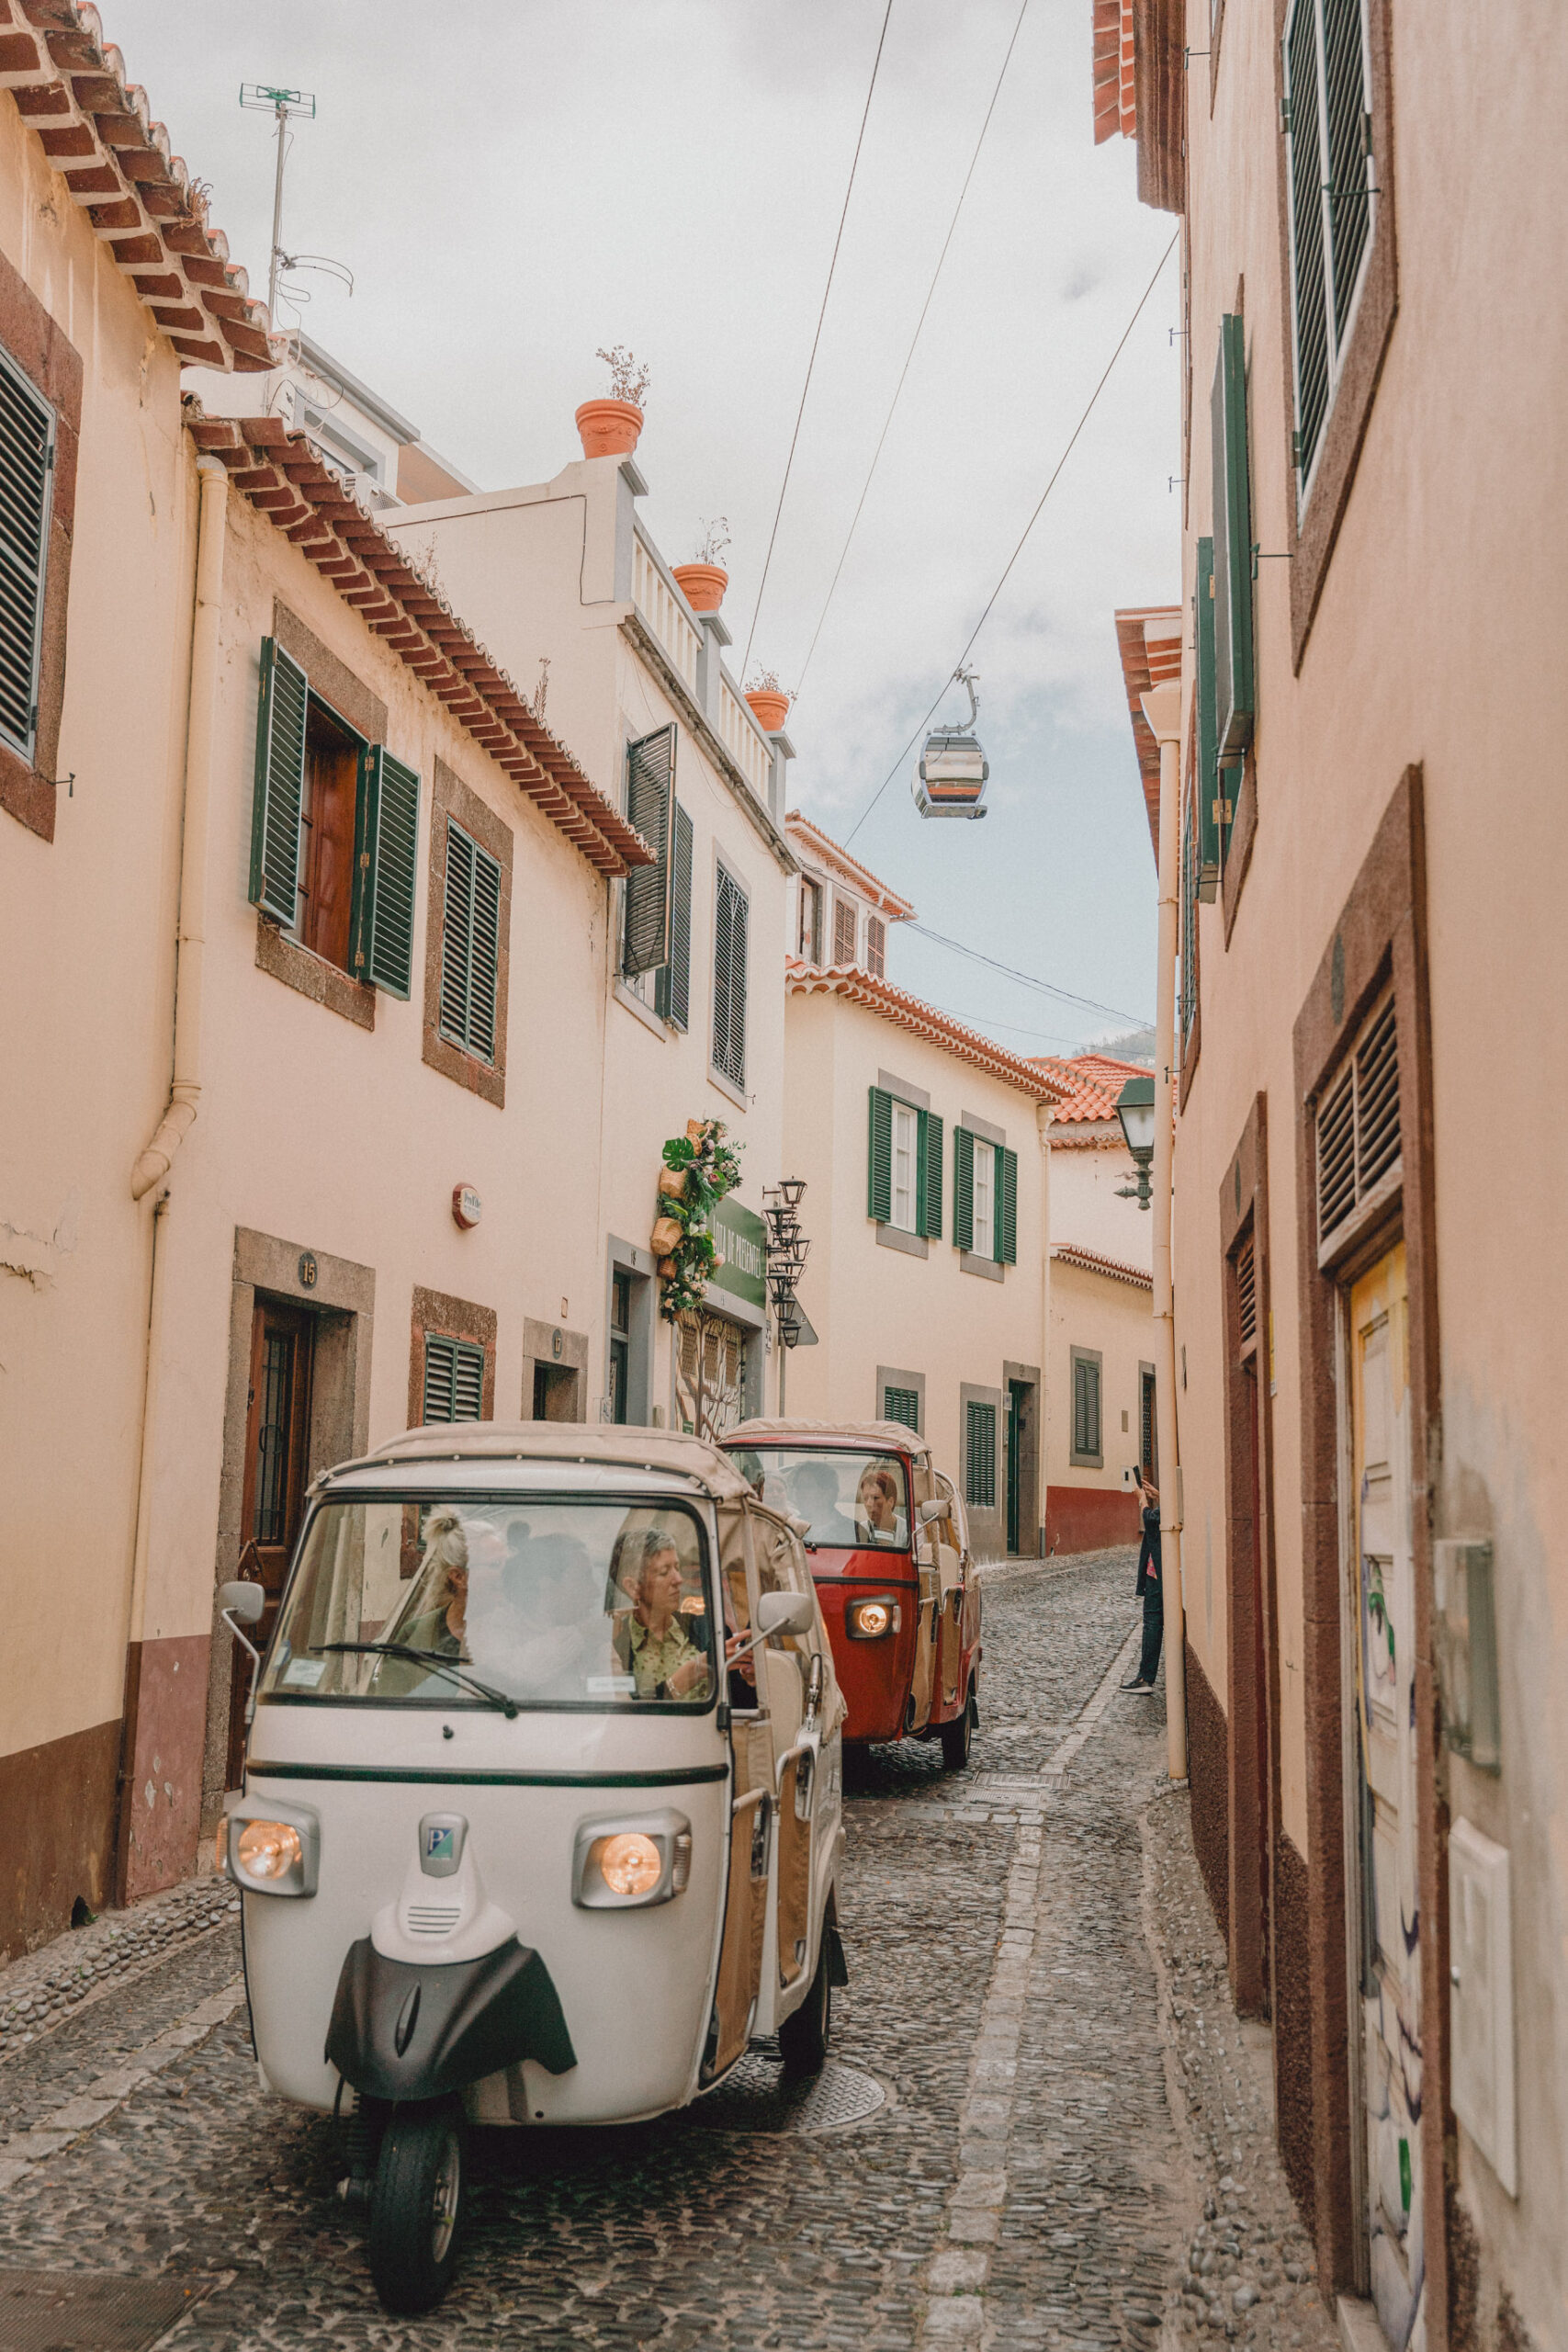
x=709, y=1166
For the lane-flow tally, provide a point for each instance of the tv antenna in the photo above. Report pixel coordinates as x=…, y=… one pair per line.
x=259, y=97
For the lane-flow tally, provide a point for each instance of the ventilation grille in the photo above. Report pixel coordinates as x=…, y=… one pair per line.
x=432, y=1918
x=1247, y=1293
x=1358, y=1126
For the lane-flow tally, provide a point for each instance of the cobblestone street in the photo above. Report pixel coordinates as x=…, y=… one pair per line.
x=1072, y=2145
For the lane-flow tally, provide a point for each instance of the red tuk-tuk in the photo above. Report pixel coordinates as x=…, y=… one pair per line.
x=889, y=1547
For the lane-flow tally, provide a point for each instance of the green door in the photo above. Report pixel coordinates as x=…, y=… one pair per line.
x=1015, y=1424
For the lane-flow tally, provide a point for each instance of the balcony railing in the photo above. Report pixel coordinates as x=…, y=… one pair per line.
x=743, y=739
x=660, y=602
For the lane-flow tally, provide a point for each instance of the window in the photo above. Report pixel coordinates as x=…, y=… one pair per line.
x=846, y=923
x=984, y=1198
x=647, y=905
x=1358, y=1139
x=471, y=943
x=454, y=1379
x=810, y=942
x=980, y=1457
x=26, y=480
x=1189, y=953
x=1232, y=665
x=334, y=833
x=1086, y=1449
x=876, y=946
x=1330, y=177
x=672, y=987
x=620, y=1345
x=904, y=1188
x=902, y=1405
x=731, y=916
x=1214, y=784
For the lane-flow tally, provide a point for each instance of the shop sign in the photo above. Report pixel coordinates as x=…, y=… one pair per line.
x=741, y=1241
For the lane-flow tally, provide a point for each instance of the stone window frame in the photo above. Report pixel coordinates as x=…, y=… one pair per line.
x=972, y=1262
x=40, y=349
x=913, y=1097
x=1075, y=1356
x=991, y=1517
x=449, y=1318
x=451, y=799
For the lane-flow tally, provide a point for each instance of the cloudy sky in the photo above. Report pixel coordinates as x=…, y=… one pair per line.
x=513, y=183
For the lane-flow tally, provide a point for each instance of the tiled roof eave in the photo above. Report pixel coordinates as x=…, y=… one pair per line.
x=1091, y=1262
x=921, y=1019
x=266, y=463
x=849, y=869
x=96, y=131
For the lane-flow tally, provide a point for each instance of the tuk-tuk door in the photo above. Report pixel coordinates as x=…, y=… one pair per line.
x=751, y=1824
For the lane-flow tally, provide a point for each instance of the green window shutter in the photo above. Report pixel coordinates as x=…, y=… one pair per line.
x=731, y=922
x=902, y=1405
x=26, y=480
x=672, y=989
x=980, y=1457
x=279, y=807
x=1189, y=910
x=932, y=1223
x=1086, y=1406
x=1006, y=1215
x=962, y=1189
x=879, y=1183
x=1308, y=255
x=1349, y=174
x=470, y=946
x=1234, y=702
x=649, y=890
x=920, y=1119
x=1213, y=812
x=386, y=868
x=454, y=1379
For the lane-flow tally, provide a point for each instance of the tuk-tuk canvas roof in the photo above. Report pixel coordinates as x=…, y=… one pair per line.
x=613, y=1446
x=886, y=1437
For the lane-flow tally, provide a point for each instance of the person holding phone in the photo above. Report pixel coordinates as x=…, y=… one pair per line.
x=1149, y=1589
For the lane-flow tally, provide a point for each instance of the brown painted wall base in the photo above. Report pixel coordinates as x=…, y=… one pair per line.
x=57, y=1802
x=1208, y=1781
x=166, y=1712
x=1089, y=1519
x=1293, y=2027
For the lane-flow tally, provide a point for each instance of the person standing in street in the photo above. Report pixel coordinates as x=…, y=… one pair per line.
x=1150, y=1590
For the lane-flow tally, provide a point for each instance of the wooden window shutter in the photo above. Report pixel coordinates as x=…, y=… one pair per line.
x=879, y=1177
x=876, y=946
x=845, y=925
x=1359, y=1138
x=1246, y=1293
x=278, y=805
x=649, y=890
x=931, y=1221
x=731, y=922
x=1188, y=913
x=385, y=871
x=1005, y=1220
x=27, y=482
x=1215, y=810
x=470, y=945
x=902, y=1405
x=1234, y=702
x=1308, y=259
x=454, y=1379
x=1348, y=174
x=962, y=1189
x=673, y=992
x=980, y=1450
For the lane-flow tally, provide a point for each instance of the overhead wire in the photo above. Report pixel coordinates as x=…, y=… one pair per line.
x=1023, y=538
x=909, y=355
x=832, y=265
x=1031, y=980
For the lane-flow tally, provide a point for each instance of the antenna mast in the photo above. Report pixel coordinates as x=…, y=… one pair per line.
x=259, y=97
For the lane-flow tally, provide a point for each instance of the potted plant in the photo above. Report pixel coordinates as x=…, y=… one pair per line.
x=609, y=428
x=770, y=702
x=703, y=581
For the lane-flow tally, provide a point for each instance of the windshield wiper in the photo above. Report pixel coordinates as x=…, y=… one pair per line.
x=501, y=1699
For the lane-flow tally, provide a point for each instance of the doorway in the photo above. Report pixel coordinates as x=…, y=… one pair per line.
x=276, y=1437
x=710, y=1373
x=555, y=1392
x=1017, y=1401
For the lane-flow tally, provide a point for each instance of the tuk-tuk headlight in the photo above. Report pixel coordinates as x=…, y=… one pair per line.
x=631, y=1863
x=270, y=1848
x=870, y=1620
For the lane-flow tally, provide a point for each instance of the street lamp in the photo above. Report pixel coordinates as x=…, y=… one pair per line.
x=1136, y=1109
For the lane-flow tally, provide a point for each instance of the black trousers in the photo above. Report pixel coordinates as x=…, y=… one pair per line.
x=1153, y=1629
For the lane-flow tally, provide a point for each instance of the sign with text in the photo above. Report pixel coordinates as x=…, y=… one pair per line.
x=741, y=1240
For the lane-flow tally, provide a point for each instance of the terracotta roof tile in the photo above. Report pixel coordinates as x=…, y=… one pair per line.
x=815, y=842
x=1091, y=1262
x=1092, y=1083
x=923, y=1021
x=149, y=215
x=1149, y=640
x=284, y=480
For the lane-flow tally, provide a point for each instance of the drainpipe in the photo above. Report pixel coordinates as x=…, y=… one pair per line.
x=186, y=1092
x=1043, y=1116
x=1162, y=708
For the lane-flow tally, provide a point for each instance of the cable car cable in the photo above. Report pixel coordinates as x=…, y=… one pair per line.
x=909, y=355
x=832, y=265
x=1030, y=981
x=1017, y=550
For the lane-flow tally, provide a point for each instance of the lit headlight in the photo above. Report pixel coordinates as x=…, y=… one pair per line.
x=870, y=1620
x=270, y=1848
x=631, y=1864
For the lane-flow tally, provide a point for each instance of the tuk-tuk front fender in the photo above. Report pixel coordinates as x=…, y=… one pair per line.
x=405, y=2031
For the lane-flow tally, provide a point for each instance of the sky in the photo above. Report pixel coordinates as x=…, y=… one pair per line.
x=516, y=183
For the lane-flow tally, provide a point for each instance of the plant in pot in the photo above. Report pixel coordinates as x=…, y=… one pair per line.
x=770, y=702
x=699, y=1167
x=609, y=428
x=703, y=581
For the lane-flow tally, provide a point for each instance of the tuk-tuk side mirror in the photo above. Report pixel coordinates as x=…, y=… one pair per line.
x=785, y=1612
x=935, y=1510
x=243, y=1600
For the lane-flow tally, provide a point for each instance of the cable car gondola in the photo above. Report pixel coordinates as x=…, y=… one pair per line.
x=951, y=778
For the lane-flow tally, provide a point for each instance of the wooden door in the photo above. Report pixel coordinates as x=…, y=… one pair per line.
x=1380, y=1578
x=277, y=1436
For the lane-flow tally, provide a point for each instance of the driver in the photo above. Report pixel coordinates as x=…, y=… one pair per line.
x=876, y=1505
x=652, y=1645
x=442, y=1624
x=814, y=1494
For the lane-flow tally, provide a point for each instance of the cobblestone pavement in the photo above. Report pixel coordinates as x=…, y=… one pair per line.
x=1036, y=1982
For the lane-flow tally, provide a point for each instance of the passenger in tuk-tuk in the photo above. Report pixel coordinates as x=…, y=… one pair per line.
x=442, y=1624
x=653, y=1643
x=876, y=1505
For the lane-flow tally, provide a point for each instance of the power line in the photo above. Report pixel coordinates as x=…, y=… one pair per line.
x=910, y=355
x=1017, y=550
x=816, y=339
x=1030, y=981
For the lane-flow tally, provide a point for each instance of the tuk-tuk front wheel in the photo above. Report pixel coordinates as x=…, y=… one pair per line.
x=415, y=2205
x=958, y=1736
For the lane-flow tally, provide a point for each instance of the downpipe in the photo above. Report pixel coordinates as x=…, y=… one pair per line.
x=1162, y=708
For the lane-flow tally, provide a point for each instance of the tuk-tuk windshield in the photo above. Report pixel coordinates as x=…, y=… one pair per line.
x=857, y=1500
x=548, y=1603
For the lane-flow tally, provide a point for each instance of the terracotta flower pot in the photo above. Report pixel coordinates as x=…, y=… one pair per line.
x=609, y=428
x=769, y=707
x=665, y=1234
x=701, y=585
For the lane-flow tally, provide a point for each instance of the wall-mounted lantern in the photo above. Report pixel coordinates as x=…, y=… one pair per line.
x=1136, y=1109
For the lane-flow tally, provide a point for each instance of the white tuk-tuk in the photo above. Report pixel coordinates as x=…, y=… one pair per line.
x=541, y=1814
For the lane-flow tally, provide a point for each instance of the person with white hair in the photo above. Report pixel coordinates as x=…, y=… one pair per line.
x=653, y=1643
